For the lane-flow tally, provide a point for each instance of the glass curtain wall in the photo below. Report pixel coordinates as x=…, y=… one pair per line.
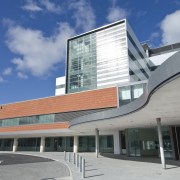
x=144, y=142
x=29, y=144
x=82, y=63
x=176, y=141
x=129, y=93
x=59, y=144
x=87, y=144
x=98, y=59
x=6, y=144
x=134, y=142
x=168, y=152
x=37, y=119
x=106, y=144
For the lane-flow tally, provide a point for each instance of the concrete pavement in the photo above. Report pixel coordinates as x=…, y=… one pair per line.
x=25, y=167
x=114, y=167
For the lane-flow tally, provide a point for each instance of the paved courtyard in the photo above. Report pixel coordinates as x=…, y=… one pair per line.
x=106, y=167
x=123, y=168
x=25, y=167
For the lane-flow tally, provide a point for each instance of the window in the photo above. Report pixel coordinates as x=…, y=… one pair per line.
x=125, y=93
x=137, y=90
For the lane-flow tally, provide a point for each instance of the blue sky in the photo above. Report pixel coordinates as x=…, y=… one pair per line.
x=33, y=36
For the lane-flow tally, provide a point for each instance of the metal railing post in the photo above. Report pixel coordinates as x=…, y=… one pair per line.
x=76, y=160
x=79, y=162
x=73, y=158
x=80, y=166
x=69, y=156
x=83, y=168
x=65, y=155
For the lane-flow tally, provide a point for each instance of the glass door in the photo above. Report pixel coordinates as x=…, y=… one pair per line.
x=134, y=142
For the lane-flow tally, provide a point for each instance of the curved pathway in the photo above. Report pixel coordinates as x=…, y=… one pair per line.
x=26, y=167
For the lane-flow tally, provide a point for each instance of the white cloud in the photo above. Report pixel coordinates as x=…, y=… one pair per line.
x=154, y=39
x=154, y=35
x=51, y=7
x=43, y=5
x=21, y=75
x=37, y=54
x=1, y=79
x=83, y=14
x=7, y=71
x=31, y=6
x=170, y=28
x=116, y=13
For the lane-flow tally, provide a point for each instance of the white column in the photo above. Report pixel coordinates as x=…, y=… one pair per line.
x=97, y=142
x=116, y=142
x=76, y=144
x=15, y=144
x=161, y=143
x=42, y=145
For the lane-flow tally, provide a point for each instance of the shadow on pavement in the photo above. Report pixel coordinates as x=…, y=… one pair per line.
x=94, y=175
x=141, y=159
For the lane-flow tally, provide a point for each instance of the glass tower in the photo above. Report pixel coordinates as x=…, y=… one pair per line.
x=105, y=57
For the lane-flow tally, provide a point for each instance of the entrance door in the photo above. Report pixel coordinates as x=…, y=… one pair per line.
x=176, y=140
x=134, y=142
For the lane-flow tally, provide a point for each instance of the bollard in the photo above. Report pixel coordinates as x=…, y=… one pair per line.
x=80, y=164
x=83, y=168
x=69, y=156
x=76, y=160
x=65, y=155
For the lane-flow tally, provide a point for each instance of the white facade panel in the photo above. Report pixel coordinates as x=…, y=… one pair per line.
x=112, y=57
x=113, y=83
x=60, y=86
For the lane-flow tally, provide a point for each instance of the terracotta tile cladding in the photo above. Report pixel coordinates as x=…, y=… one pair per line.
x=61, y=125
x=94, y=99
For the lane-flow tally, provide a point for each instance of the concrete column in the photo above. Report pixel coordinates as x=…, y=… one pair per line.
x=42, y=145
x=116, y=142
x=97, y=142
x=76, y=144
x=15, y=144
x=161, y=142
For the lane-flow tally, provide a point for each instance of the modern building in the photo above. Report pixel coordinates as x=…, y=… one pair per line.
x=105, y=57
x=117, y=97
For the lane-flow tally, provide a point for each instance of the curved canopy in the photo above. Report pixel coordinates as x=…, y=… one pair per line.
x=160, y=100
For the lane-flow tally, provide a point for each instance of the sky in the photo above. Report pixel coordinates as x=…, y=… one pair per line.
x=33, y=35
